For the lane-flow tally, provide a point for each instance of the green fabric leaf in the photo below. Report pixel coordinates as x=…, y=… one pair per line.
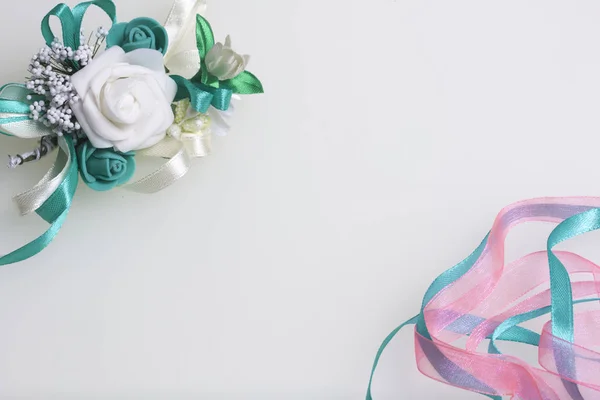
x=210, y=80
x=204, y=77
x=199, y=75
x=205, y=38
x=244, y=83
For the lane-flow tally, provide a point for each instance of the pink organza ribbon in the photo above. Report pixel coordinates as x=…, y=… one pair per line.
x=470, y=311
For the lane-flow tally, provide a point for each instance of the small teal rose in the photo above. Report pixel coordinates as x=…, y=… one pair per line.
x=140, y=33
x=104, y=169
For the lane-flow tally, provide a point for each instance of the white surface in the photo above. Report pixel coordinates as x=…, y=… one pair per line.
x=390, y=135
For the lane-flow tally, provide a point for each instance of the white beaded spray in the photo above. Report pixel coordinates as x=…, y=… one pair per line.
x=53, y=94
x=51, y=69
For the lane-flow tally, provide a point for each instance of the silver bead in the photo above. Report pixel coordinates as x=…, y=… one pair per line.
x=174, y=131
x=194, y=125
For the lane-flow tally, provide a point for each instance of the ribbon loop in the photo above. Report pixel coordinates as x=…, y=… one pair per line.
x=54, y=210
x=197, y=144
x=202, y=96
x=175, y=168
x=71, y=20
x=200, y=99
x=108, y=6
x=14, y=114
x=67, y=23
x=34, y=198
x=182, y=57
x=221, y=96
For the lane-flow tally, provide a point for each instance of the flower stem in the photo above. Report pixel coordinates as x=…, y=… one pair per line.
x=47, y=144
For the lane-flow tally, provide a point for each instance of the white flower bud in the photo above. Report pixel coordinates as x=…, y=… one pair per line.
x=223, y=62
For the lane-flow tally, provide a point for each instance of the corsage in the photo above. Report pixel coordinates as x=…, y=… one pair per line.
x=107, y=101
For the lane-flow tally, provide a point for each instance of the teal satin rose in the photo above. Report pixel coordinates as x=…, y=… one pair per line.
x=104, y=169
x=140, y=33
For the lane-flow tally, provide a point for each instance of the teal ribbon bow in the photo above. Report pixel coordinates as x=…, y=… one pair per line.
x=202, y=96
x=71, y=20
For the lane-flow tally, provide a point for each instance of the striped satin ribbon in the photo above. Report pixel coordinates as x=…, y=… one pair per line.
x=484, y=298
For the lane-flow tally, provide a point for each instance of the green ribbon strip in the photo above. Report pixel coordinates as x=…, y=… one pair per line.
x=54, y=211
x=71, y=20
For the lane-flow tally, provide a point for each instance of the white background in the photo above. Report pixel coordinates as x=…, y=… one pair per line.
x=390, y=135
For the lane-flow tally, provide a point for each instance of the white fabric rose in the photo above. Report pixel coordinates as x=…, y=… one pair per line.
x=224, y=63
x=125, y=99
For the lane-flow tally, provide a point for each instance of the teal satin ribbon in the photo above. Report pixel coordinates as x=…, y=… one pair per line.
x=71, y=20
x=560, y=283
x=221, y=96
x=561, y=295
x=15, y=104
x=561, y=307
x=14, y=112
x=563, y=325
x=202, y=96
x=108, y=6
x=445, y=279
x=67, y=23
x=507, y=331
x=11, y=120
x=503, y=331
x=54, y=211
x=14, y=107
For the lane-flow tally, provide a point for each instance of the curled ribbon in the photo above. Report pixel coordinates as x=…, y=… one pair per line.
x=33, y=199
x=178, y=164
x=55, y=207
x=483, y=298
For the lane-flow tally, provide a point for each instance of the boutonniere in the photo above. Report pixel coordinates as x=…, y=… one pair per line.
x=107, y=100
